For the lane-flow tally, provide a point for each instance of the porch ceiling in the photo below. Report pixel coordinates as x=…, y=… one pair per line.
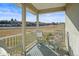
x=49, y=7
x=45, y=7
x=41, y=6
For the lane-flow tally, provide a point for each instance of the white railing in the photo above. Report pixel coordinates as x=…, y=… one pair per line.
x=12, y=44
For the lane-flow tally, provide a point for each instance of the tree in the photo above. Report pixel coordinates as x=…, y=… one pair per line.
x=15, y=20
x=12, y=19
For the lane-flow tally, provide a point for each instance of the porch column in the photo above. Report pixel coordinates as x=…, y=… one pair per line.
x=23, y=25
x=37, y=22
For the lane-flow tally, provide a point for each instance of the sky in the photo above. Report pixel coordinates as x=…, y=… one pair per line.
x=9, y=11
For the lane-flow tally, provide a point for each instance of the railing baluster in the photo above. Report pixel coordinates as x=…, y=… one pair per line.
x=5, y=42
x=9, y=45
x=12, y=43
x=20, y=48
x=9, y=42
x=20, y=44
x=20, y=41
x=15, y=44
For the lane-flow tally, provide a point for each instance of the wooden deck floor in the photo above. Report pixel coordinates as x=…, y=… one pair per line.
x=40, y=50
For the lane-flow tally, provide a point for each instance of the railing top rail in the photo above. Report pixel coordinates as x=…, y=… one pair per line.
x=10, y=36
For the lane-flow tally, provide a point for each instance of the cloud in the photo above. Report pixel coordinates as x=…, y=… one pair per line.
x=53, y=17
x=8, y=11
x=30, y=17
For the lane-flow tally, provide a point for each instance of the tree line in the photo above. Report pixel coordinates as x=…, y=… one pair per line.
x=15, y=23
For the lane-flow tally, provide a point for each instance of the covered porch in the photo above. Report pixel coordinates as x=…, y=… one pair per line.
x=38, y=47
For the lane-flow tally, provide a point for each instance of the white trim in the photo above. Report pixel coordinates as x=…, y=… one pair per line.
x=2, y=38
x=30, y=46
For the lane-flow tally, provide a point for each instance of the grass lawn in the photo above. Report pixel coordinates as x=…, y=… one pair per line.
x=57, y=32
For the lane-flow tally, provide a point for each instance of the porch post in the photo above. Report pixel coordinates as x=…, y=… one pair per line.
x=23, y=26
x=37, y=22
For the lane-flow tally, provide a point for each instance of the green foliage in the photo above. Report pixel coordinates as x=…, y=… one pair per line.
x=50, y=34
